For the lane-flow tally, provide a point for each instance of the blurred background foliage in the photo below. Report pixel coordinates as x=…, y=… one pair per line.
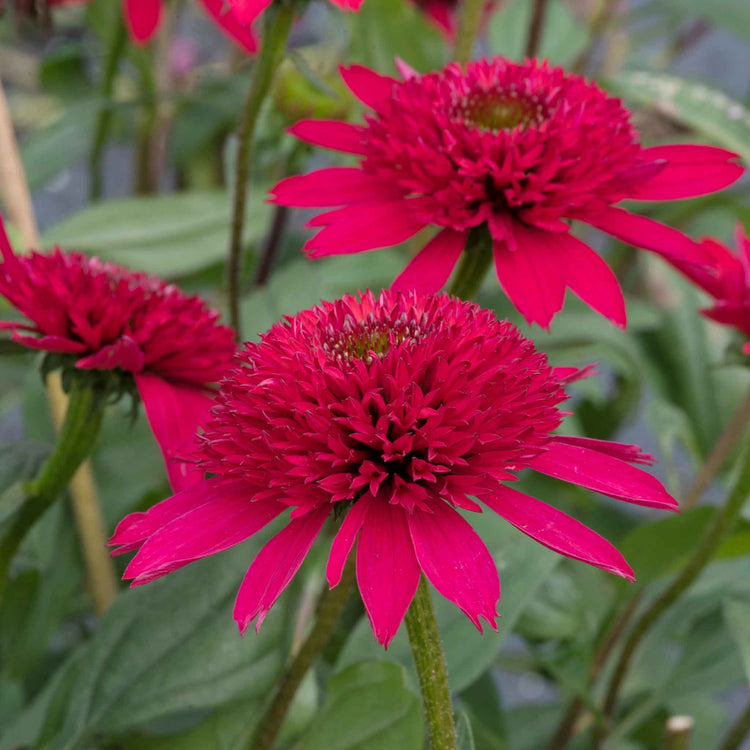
x=128, y=151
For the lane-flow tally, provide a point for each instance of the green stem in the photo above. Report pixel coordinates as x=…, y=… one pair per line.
x=472, y=268
x=427, y=650
x=104, y=116
x=329, y=610
x=468, y=28
x=721, y=525
x=75, y=441
x=738, y=732
x=278, y=23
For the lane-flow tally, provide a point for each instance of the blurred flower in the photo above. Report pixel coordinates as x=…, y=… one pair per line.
x=444, y=13
x=520, y=150
x=389, y=412
x=247, y=11
x=726, y=277
x=94, y=315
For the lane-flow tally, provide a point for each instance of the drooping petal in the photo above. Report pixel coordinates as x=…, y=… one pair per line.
x=456, y=561
x=366, y=226
x=387, y=570
x=334, y=186
x=530, y=274
x=49, y=343
x=334, y=134
x=345, y=538
x=589, y=276
x=430, y=268
x=624, y=451
x=247, y=11
x=134, y=529
x=208, y=529
x=275, y=566
x=556, y=530
x=691, y=170
x=231, y=24
x=174, y=412
x=124, y=353
x=348, y=4
x=603, y=473
x=367, y=85
x=142, y=18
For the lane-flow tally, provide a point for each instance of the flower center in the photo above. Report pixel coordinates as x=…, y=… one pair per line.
x=369, y=338
x=505, y=110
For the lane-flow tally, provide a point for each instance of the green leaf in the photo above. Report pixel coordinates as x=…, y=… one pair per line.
x=20, y=461
x=737, y=616
x=172, y=647
x=563, y=35
x=464, y=734
x=167, y=235
x=708, y=111
x=523, y=565
x=733, y=15
x=367, y=708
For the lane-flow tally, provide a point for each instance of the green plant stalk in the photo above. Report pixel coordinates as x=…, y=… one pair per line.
x=77, y=437
x=720, y=527
x=536, y=27
x=329, y=609
x=738, y=732
x=472, y=268
x=468, y=28
x=279, y=17
x=104, y=116
x=427, y=650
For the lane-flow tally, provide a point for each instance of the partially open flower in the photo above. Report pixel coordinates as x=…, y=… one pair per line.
x=515, y=150
x=93, y=315
x=397, y=413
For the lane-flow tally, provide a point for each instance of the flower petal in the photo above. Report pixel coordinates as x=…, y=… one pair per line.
x=247, y=11
x=125, y=353
x=624, y=451
x=49, y=343
x=345, y=538
x=456, y=561
x=334, y=134
x=387, y=570
x=142, y=18
x=275, y=566
x=367, y=85
x=174, y=412
x=230, y=23
x=691, y=170
x=603, y=473
x=431, y=267
x=556, y=530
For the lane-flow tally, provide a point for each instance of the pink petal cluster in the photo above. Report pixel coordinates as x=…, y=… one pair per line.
x=247, y=11
x=444, y=13
x=726, y=277
x=519, y=150
x=399, y=413
x=108, y=318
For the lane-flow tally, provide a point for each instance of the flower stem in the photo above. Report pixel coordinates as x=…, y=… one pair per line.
x=535, y=27
x=279, y=18
x=427, y=649
x=472, y=268
x=76, y=439
x=468, y=28
x=738, y=732
x=721, y=525
x=329, y=610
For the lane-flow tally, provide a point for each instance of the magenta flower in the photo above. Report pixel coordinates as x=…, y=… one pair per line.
x=247, y=11
x=444, y=13
x=519, y=149
x=107, y=318
x=726, y=277
x=395, y=412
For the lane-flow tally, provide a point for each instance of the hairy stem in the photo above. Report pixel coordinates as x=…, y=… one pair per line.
x=472, y=268
x=536, y=27
x=329, y=610
x=468, y=28
x=721, y=525
x=427, y=650
x=273, y=244
x=278, y=24
x=75, y=441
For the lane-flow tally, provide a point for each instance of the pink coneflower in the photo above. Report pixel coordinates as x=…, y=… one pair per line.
x=726, y=277
x=103, y=317
x=518, y=150
x=444, y=13
x=394, y=413
x=247, y=11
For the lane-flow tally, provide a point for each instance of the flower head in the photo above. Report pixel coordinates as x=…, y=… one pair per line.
x=726, y=277
x=100, y=316
x=393, y=412
x=517, y=150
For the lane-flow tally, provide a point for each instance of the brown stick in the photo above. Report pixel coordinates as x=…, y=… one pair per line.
x=14, y=191
x=536, y=27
